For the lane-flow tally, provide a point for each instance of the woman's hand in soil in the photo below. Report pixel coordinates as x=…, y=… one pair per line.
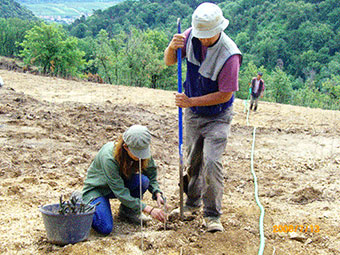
x=160, y=201
x=158, y=214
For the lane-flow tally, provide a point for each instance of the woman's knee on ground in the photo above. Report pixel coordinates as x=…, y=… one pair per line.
x=103, y=228
x=102, y=218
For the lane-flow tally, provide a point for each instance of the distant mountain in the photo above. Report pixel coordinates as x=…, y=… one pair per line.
x=12, y=9
x=65, y=11
x=142, y=14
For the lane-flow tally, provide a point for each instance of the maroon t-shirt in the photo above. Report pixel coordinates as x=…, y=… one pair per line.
x=228, y=76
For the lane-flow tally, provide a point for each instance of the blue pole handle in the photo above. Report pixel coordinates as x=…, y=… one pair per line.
x=179, y=75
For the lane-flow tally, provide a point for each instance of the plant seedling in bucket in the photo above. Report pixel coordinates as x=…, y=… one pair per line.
x=68, y=222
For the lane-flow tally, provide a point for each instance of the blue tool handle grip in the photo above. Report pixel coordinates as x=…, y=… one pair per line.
x=179, y=60
x=179, y=74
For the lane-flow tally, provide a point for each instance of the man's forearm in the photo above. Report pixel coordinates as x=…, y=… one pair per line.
x=211, y=99
x=170, y=56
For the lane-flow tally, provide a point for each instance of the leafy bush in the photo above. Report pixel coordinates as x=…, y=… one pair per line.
x=49, y=48
x=12, y=32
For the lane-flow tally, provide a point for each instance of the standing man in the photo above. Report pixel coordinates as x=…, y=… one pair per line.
x=257, y=88
x=213, y=62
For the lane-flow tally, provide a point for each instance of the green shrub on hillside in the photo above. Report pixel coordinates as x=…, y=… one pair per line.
x=50, y=49
x=13, y=31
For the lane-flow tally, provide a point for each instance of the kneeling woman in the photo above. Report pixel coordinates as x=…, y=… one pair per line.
x=114, y=173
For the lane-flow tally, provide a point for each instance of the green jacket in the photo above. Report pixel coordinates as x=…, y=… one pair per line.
x=103, y=177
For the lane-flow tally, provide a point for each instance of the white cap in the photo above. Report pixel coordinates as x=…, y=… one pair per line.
x=208, y=21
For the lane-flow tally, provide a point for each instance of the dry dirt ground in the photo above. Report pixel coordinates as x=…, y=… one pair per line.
x=51, y=129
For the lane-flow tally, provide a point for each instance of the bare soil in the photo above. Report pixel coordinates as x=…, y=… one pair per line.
x=51, y=129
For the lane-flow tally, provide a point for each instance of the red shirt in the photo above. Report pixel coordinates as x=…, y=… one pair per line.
x=228, y=76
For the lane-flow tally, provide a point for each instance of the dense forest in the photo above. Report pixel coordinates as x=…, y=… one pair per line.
x=12, y=9
x=294, y=43
x=57, y=1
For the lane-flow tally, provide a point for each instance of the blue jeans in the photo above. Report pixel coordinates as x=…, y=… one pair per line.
x=102, y=218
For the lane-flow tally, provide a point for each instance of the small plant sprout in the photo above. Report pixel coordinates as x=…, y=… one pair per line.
x=75, y=206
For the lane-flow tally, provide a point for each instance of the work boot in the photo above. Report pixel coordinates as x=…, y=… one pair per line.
x=125, y=213
x=188, y=211
x=213, y=224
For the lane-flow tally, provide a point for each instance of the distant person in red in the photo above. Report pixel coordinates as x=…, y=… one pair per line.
x=257, y=89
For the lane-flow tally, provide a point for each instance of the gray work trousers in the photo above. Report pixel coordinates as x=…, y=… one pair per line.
x=252, y=101
x=206, y=139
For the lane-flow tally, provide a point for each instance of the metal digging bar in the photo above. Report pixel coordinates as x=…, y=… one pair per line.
x=180, y=123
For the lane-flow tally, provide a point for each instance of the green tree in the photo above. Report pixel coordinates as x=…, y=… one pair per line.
x=50, y=49
x=155, y=70
x=134, y=59
x=245, y=76
x=279, y=86
x=104, y=56
x=243, y=40
x=12, y=31
x=332, y=88
x=89, y=46
x=140, y=58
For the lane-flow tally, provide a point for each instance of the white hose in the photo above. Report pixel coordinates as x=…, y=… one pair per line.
x=262, y=239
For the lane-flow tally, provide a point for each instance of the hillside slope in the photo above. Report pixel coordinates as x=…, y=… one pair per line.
x=302, y=36
x=51, y=129
x=12, y=9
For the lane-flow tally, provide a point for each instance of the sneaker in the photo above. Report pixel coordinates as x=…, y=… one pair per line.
x=187, y=211
x=213, y=224
x=128, y=214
